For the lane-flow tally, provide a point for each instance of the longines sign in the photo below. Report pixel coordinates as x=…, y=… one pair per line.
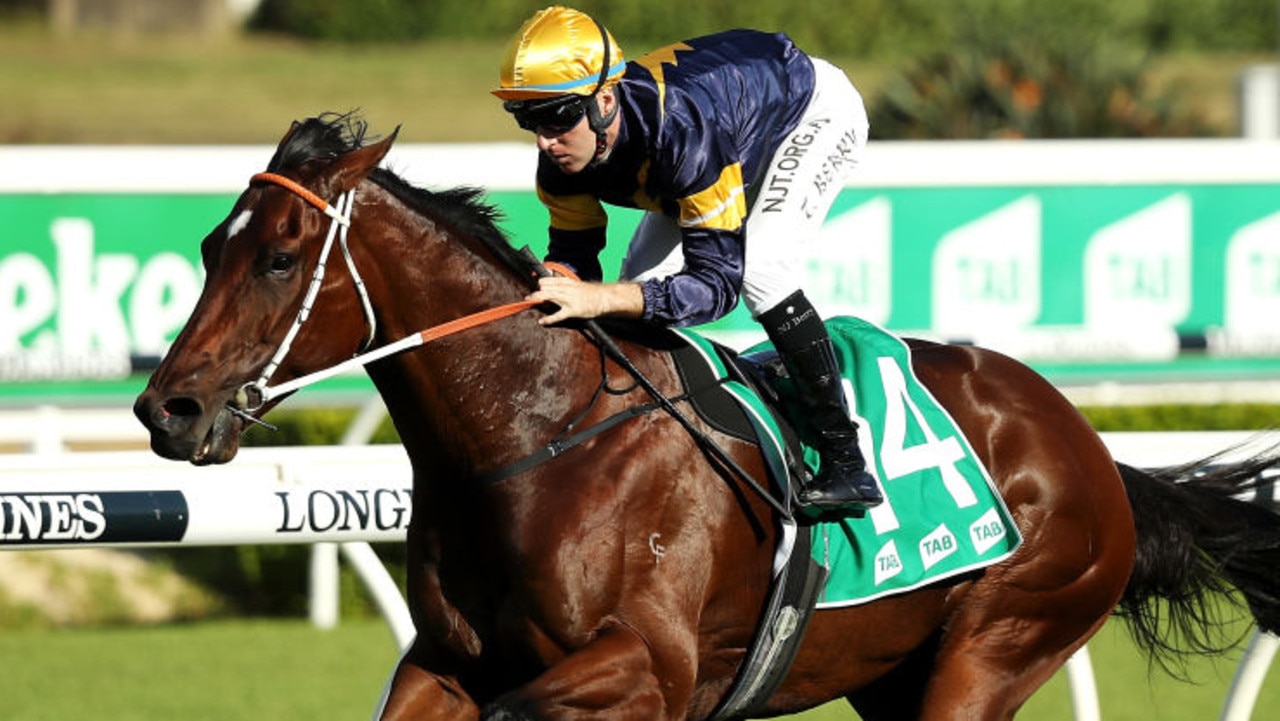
x=175, y=516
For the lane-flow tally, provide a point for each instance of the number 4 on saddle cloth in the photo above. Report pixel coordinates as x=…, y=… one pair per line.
x=941, y=516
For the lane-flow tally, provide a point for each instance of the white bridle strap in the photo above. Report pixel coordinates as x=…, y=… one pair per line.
x=317, y=278
x=365, y=304
x=340, y=216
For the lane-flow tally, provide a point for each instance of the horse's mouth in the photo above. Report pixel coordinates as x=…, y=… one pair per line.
x=222, y=442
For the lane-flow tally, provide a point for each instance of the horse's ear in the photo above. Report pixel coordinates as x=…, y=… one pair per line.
x=293, y=128
x=350, y=169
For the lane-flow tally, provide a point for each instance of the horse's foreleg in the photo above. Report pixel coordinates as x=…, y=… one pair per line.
x=414, y=693
x=610, y=679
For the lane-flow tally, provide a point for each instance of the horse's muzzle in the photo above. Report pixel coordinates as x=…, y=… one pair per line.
x=182, y=429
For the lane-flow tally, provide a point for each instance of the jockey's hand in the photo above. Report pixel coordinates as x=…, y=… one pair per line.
x=579, y=299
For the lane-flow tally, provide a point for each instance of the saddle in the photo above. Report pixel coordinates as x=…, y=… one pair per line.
x=942, y=516
x=719, y=383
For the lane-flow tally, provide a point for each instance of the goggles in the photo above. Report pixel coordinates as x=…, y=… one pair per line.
x=554, y=116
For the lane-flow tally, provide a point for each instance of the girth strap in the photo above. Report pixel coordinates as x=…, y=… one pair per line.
x=560, y=445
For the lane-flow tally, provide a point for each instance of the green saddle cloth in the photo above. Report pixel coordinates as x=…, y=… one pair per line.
x=942, y=515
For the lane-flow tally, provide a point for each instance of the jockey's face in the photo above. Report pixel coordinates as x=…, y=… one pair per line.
x=573, y=149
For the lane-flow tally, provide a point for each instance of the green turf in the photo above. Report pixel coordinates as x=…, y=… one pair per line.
x=217, y=671
x=282, y=670
x=1129, y=691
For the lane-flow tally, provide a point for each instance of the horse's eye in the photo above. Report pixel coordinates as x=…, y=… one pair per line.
x=281, y=263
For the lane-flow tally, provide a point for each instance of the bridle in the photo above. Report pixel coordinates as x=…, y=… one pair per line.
x=252, y=396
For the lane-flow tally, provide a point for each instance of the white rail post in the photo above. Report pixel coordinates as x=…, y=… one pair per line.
x=323, y=603
x=1249, y=676
x=385, y=592
x=324, y=600
x=47, y=439
x=1260, y=102
x=1084, y=689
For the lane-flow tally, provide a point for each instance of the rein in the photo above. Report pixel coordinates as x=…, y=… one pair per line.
x=252, y=396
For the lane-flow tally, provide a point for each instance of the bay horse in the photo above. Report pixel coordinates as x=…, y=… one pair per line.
x=543, y=596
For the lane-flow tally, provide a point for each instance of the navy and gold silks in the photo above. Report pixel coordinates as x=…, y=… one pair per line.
x=700, y=121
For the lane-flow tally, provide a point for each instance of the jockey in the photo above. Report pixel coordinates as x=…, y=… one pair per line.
x=721, y=139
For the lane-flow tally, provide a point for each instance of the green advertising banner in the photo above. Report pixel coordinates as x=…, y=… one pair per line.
x=1072, y=278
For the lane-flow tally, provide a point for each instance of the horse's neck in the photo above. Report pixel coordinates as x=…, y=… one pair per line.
x=493, y=391
x=489, y=396
x=423, y=275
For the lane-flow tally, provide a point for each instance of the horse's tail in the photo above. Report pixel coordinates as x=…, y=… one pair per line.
x=1199, y=542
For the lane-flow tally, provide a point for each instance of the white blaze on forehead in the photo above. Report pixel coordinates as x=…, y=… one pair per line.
x=238, y=223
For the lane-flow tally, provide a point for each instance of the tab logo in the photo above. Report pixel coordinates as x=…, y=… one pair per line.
x=937, y=545
x=888, y=564
x=987, y=531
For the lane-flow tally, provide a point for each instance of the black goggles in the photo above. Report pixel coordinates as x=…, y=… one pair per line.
x=552, y=117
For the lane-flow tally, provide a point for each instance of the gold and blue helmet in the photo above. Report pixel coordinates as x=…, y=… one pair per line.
x=559, y=51
x=553, y=69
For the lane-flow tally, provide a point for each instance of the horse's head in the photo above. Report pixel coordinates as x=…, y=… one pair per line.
x=260, y=266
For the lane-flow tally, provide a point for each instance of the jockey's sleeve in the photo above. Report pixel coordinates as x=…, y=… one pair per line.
x=712, y=221
x=708, y=285
x=579, y=250
x=577, y=232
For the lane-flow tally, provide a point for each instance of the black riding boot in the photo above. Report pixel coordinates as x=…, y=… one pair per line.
x=843, y=483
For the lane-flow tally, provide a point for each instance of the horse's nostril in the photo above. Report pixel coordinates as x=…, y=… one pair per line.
x=181, y=407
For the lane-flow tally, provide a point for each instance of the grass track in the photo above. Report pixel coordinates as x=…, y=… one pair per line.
x=217, y=671
x=286, y=670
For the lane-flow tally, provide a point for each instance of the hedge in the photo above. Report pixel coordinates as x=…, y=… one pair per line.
x=867, y=28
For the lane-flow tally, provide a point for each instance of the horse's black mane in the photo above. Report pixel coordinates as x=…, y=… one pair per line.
x=330, y=135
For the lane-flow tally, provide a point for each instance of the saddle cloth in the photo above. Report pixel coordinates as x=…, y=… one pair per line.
x=942, y=515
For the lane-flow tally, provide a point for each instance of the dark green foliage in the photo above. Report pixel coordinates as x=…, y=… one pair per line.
x=312, y=427
x=1219, y=25
x=976, y=68
x=273, y=580
x=345, y=20
x=1175, y=417
x=856, y=28
x=1020, y=88
x=1060, y=74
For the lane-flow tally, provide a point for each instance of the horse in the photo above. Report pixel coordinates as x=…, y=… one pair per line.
x=624, y=578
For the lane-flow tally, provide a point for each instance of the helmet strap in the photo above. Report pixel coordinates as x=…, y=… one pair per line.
x=596, y=121
x=599, y=123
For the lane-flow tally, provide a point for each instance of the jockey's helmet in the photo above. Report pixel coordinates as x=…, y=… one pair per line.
x=559, y=51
